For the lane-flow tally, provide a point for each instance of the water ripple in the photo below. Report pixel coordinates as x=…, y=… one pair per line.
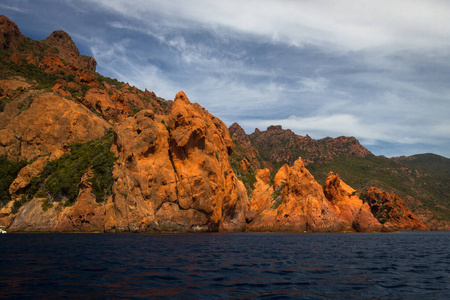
x=413, y=265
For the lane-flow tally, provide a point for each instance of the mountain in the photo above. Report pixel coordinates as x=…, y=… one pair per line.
x=83, y=152
x=421, y=180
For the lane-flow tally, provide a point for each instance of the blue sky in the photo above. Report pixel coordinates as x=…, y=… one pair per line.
x=376, y=70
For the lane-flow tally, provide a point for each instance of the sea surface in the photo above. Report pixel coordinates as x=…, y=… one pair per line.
x=407, y=265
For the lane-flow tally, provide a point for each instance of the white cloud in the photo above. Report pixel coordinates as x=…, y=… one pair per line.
x=375, y=70
x=346, y=25
x=14, y=8
x=313, y=85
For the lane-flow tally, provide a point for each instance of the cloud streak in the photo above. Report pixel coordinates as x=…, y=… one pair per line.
x=376, y=70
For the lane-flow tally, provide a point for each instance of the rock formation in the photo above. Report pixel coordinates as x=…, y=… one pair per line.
x=174, y=168
x=262, y=196
x=298, y=204
x=67, y=50
x=350, y=209
x=175, y=178
x=392, y=211
x=284, y=146
x=47, y=127
x=10, y=36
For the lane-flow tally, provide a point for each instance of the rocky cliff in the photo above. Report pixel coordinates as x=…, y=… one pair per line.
x=297, y=203
x=173, y=174
x=83, y=152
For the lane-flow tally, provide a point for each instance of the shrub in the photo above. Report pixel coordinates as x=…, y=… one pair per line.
x=18, y=204
x=60, y=177
x=46, y=204
x=8, y=172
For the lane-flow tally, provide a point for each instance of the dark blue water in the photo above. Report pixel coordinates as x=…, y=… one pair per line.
x=410, y=265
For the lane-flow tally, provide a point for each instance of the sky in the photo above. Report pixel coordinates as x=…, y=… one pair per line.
x=376, y=70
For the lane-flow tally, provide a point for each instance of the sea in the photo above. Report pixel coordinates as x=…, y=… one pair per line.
x=405, y=265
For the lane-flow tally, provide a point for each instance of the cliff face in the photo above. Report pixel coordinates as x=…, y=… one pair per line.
x=49, y=124
x=296, y=202
x=103, y=156
x=175, y=178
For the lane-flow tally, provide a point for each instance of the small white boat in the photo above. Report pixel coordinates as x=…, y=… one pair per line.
x=2, y=231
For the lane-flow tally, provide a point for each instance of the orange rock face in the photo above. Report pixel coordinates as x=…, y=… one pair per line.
x=392, y=211
x=68, y=51
x=174, y=174
x=173, y=170
x=299, y=204
x=48, y=126
x=351, y=210
x=85, y=215
x=262, y=196
x=26, y=174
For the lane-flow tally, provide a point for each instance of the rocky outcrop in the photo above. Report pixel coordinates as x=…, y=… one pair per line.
x=173, y=174
x=32, y=217
x=26, y=174
x=173, y=170
x=392, y=211
x=298, y=204
x=43, y=215
x=350, y=209
x=47, y=127
x=262, y=196
x=10, y=36
x=86, y=215
x=239, y=136
x=67, y=50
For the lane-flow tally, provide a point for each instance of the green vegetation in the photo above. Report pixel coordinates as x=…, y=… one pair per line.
x=60, y=177
x=3, y=102
x=247, y=178
x=29, y=71
x=390, y=176
x=277, y=195
x=46, y=204
x=134, y=108
x=8, y=172
x=111, y=81
x=78, y=92
x=18, y=204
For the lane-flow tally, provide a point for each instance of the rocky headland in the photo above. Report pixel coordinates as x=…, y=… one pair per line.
x=85, y=153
